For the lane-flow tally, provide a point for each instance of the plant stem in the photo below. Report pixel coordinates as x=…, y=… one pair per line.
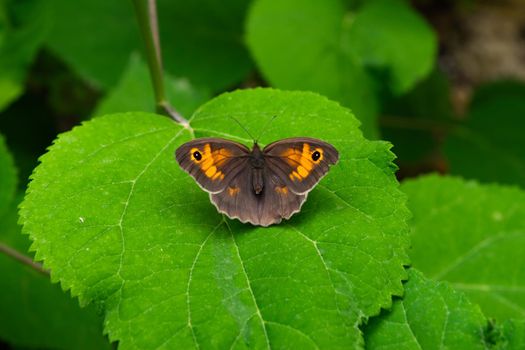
x=146, y=11
x=16, y=255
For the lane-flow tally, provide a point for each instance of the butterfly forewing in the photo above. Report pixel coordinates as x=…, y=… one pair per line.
x=212, y=162
x=300, y=162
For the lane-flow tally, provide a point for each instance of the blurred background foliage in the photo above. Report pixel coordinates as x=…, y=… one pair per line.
x=444, y=81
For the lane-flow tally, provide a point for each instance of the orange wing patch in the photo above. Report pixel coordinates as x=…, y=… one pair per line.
x=281, y=190
x=303, y=161
x=209, y=160
x=233, y=191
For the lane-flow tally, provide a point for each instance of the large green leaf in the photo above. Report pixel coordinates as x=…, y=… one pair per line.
x=473, y=237
x=133, y=93
x=490, y=145
x=320, y=46
x=119, y=223
x=431, y=315
x=201, y=40
x=297, y=45
x=388, y=34
x=36, y=313
x=7, y=176
x=23, y=25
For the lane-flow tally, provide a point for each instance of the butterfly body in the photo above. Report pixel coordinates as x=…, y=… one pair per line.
x=259, y=186
x=258, y=164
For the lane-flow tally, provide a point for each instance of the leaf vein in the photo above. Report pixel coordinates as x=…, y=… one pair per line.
x=258, y=310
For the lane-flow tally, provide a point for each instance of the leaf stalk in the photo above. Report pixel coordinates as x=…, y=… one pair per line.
x=16, y=255
x=146, y=11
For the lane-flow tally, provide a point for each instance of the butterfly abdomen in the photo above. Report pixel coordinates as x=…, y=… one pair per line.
x=257, y=180
x=257, y=163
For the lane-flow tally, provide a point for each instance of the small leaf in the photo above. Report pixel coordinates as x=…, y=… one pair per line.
x=36, y=313
x=490, y=146
x=472, y=236
x=431, y=315
x=120, y=224
x=389, y=35
x=132, y=92
x=513, y=332
x=201, y=40
x=8, y=178
x=297, y=45
x=23, y=25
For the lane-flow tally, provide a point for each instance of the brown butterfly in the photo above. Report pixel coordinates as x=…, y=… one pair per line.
x=257, y=186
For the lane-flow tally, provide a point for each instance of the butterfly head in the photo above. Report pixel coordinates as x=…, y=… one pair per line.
x=255, y=140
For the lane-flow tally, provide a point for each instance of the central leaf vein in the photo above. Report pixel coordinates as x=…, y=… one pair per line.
x=258, y=310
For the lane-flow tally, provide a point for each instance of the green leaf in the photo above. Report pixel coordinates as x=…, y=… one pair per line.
x=416, y=122
x=132, y=92
x=490, y=146
x=322, y=47
x=23, y=25
x=389, y=35
x=120, y=224
x=8, y=178
x=431, y=315
x=472, y=236
x=201, y=40
x=36, y=313
x=297, y=45
x=95, y=41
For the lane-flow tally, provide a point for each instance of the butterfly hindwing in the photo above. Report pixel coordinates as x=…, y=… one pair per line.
x=212, y=162
x=300, y=162
x=274, y=203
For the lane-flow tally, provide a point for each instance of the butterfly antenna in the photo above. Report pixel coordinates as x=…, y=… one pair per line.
x=242, y=126
x=265, y=128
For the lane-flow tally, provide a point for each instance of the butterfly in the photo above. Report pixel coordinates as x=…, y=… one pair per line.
x=257, y=186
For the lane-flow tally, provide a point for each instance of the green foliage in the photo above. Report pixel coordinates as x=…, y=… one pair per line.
x=132, y=94
x=408, y=44
x=431, y=315
x=472, y=236
x=319, y=46
x=490, y=146
x=7, y=176
x=513, y=334
x=35, y=313
x=136, y=240
x=201, y=39
x=294, y=54
x=23, y=25
x=121, y=225
x=412, y=121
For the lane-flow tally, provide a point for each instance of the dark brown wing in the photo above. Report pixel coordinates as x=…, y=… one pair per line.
x=212, y=162
x=275, y=202
x=300, y=162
